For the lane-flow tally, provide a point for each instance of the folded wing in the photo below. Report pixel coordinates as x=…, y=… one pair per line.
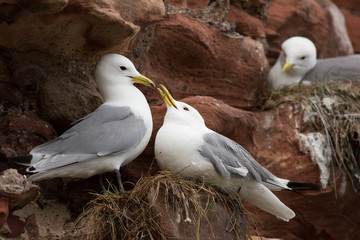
x=109, y=130
x=232, y=160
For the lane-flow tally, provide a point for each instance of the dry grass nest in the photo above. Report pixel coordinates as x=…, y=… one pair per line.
x=135, y=215
x=334, y=110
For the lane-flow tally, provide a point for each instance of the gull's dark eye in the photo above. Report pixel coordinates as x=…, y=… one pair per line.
x=123, y=68
x=303, y=57
x=185, y=108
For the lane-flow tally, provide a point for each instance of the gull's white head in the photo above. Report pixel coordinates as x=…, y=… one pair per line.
x=115, y=71
x=298, y=56
x=179, y=111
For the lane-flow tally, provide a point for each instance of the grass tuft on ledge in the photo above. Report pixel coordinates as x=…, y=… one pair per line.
x=146, y=211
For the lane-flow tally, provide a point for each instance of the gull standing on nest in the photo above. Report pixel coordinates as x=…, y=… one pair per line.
x=186, y=146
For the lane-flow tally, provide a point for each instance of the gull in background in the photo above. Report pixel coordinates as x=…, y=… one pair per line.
x=186, y=146
x=297, y=62
x=106, y=139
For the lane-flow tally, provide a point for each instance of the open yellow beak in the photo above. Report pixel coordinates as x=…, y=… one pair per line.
x=287, y=66
x=143, y=80
x=165, y=94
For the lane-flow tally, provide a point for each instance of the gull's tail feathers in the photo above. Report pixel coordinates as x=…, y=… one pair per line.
x=285, y=184
x=260, y=196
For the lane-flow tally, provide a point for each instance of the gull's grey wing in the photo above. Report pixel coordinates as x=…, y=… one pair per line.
x=108, y=130
x=345, y=68
x=231, y=159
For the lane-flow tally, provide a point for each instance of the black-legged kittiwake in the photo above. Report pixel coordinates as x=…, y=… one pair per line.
x=106, y=139
x=186, y=146
x=297, y=62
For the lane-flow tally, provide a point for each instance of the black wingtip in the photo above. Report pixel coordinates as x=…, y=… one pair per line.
x=23, y=171
x=304, y=186
x=21, y=160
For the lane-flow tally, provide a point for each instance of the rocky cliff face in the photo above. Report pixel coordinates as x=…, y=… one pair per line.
x=214, y=54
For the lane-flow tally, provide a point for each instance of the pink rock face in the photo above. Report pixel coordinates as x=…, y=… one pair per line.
x=308, y=19
x=8, y=91
x=83, y=30
x=21, y=132
x=4, y=210
x=15, y=191
x=352, y=25
x=294, y=18
x=58, y=106
x=338, y=44
x=245, y=23
x=191, y=58
x=140, y=12
x=318, y=216
x=348, y=4
x=191, y=4
x=42, y=6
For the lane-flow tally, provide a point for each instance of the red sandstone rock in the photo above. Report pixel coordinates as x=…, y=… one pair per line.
x=31, y=227
x=26, y=122
x=348, y=4
x=9, y=92
x=255, y=7
x=140, y=12
x=352, y=25
x=43, y=6
x=338, y=37
x=245, y=24
x=65, y=100
x=191, y=4
x=61, y=90
x=21, y=132
x=83, y=30
x=287, y=18
x=16, y=226
x=191, y=58
x=28, y=76
x=15, y=192
x=319, y=216
x=4, y=210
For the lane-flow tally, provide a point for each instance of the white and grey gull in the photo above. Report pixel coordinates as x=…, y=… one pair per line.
x=106, y=139
x=186, y=146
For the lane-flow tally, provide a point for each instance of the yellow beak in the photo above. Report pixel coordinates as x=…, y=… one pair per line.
x=143, y=80
x=287, y=66
x=165, y=94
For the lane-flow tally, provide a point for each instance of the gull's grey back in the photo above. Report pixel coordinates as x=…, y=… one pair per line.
x=345, y=68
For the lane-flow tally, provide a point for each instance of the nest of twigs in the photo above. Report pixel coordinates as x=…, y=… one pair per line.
x=136, y=215
x=332, y=108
